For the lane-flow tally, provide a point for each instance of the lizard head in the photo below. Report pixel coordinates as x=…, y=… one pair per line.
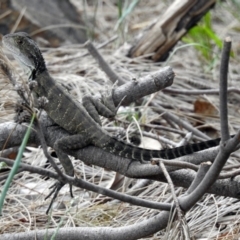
x=25, y=50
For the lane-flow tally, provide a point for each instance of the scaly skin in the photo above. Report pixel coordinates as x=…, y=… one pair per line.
x=72, y=115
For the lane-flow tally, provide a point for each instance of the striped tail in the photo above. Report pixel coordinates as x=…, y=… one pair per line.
x=129, y=151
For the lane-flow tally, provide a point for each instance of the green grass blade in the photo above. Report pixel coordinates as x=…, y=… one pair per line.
x=16, y=165
x=120, y=6
x=126, y=13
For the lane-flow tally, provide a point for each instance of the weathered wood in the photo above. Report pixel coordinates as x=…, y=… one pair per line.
x=162, y=36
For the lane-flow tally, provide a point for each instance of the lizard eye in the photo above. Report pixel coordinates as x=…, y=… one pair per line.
x=19, y=41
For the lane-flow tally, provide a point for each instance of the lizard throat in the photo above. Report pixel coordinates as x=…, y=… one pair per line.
x=40, y=68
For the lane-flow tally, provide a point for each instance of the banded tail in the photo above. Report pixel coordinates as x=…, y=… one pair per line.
x=126, y=150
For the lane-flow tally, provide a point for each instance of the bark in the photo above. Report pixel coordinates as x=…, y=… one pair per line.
x=164, y=34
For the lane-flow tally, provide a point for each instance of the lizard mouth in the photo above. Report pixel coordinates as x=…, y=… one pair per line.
x=9, y=46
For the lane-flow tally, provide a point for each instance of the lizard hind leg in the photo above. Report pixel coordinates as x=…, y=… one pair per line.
x=76, y=141
x=72, y=142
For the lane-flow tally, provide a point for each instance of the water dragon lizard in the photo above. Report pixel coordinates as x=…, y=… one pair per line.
x=81, y=120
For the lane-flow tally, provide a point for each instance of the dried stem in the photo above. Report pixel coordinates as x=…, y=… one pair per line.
x=223, y=88
x=169, y=180
x=103, y=64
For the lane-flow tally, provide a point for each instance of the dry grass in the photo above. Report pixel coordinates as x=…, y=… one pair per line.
x=212, y=218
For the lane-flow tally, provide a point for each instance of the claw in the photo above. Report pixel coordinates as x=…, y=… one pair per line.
x=107, y=99
x=56, y=187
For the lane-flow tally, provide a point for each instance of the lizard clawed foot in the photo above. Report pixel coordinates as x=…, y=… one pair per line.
x=56, y=187
x=107, y=99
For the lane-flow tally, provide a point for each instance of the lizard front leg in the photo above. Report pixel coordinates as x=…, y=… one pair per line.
x=95, y=107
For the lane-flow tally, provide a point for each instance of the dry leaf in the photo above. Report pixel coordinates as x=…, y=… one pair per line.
x=204, y=107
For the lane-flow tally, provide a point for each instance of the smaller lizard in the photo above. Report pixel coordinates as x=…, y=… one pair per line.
x=81, y=120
